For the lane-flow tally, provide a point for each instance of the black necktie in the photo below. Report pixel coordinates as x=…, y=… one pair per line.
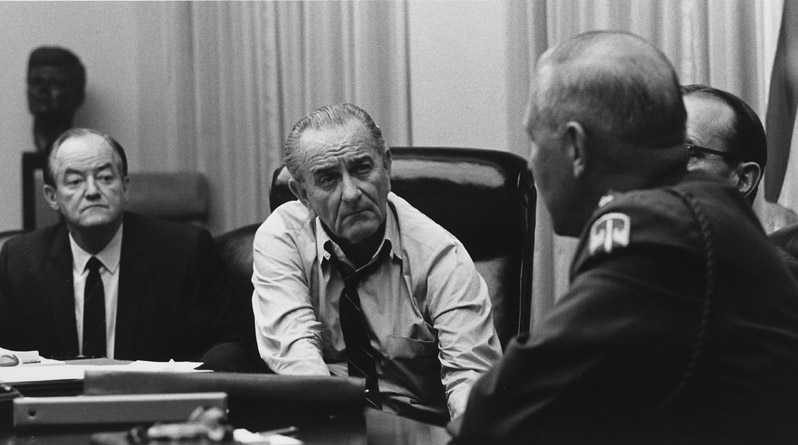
x=94, y=312
x=360, y=355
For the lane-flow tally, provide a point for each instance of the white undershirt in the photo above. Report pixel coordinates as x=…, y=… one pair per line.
x=109, y=273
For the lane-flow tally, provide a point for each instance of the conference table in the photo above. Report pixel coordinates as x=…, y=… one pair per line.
x=361, y=426
x=374, y=427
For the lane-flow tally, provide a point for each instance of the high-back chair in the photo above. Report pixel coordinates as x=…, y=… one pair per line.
x=485, y=198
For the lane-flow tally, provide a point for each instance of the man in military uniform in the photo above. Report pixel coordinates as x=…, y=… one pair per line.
x=681, y=322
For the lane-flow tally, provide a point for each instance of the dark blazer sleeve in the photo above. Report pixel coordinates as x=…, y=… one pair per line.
x=37, y=309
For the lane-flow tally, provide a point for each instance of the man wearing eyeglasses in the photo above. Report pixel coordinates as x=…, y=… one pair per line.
x=725, y=137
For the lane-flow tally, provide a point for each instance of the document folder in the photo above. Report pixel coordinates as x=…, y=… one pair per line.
x=112, y=409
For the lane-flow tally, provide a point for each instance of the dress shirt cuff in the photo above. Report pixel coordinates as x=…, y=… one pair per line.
x=302, y=358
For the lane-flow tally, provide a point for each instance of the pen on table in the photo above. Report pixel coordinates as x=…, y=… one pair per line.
x=283, y=431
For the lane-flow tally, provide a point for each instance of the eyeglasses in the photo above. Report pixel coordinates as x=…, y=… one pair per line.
x=696, y=151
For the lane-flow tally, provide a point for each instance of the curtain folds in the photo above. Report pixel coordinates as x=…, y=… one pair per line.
x=243, y=72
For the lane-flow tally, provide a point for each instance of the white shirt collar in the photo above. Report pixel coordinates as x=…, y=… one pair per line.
x=391, y=236
x=109, y=256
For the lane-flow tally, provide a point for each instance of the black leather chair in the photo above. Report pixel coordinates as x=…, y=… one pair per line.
x=235, y=247
x=486, y=198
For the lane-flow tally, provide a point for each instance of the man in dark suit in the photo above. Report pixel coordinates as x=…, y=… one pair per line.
x=726, y=138
x=109, y=283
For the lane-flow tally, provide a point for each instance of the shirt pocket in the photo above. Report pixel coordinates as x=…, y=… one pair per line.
x=415, y=363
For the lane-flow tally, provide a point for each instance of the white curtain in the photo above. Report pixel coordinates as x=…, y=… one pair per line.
x=241, y=73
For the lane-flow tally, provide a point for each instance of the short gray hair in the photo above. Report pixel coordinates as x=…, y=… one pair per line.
x=617, y=85
x=49, y=172
x=327, y=117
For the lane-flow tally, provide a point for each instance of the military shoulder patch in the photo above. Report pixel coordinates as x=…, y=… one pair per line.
x=609, y=232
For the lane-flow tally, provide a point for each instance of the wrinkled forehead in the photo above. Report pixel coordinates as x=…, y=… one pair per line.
x=331, y=144
x=84, y=152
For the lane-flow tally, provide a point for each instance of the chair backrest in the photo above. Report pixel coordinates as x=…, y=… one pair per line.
x=7, y=235
x=235, y=247
x=486, y=198
x=174, y=196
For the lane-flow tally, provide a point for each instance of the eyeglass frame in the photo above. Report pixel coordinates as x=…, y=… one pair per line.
x=731, y=157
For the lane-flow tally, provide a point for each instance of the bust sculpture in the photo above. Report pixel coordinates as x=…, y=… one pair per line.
x=56, y=88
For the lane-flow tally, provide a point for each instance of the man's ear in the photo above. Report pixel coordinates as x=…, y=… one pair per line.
x=298, y=189
x=126, y=186
x=748, y=176
x=49, y=195
x=387, y=159
x=575, y=142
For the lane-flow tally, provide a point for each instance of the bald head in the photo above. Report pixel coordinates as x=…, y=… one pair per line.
x=618, y=86
x=605, y=113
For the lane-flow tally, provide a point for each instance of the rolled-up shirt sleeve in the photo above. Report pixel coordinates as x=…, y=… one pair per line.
x=286, y=327
x=461, y=314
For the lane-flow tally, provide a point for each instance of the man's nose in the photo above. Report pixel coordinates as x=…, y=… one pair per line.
x=350, y=190
x=92, y=190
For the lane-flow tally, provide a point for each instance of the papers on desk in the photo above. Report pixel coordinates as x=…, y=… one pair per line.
x=33, y=373
x=244, y=436
x=14, y=358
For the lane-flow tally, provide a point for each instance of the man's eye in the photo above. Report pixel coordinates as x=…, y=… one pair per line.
x=693, y=153
x=106, y=178
x=73, y=181
x=326, y=181
x=363, y=169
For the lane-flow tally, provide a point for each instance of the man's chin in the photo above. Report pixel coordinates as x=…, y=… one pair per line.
x=96, y=221
x=361, y=233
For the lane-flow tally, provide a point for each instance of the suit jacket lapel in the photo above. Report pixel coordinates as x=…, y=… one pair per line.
x=61, y=293
x=134, y=268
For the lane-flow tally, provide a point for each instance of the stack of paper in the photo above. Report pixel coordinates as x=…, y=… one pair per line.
x=34, y=372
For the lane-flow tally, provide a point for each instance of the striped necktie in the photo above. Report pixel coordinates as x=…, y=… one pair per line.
x=360, y=355
x=94, y=312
